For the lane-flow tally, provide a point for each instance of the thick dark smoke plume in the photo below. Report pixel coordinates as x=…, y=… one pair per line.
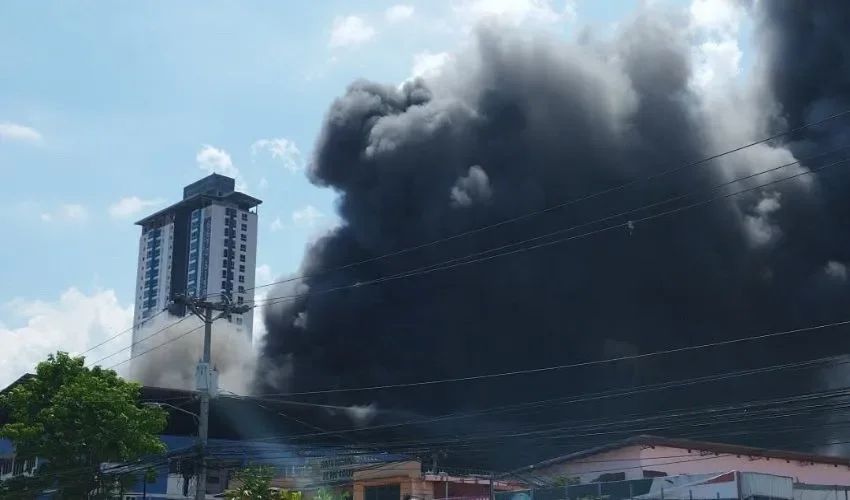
x=518, y=124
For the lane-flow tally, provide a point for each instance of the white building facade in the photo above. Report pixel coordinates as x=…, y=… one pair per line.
x=202, y=246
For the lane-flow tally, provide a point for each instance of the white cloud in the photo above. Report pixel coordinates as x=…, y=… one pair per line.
x=398, y=13
x=276, y=225
x=350, y=31
x=73, y=323
x=546, y=15
x=718, y=55
x=263, y=184
x=214, y=160
x=515, y=12
x=307, y=216
x=69, y=212
x=429, y=64
x=281, y=149
x=717, y=63
x=263, y=276
x=722, y=16
x=16, y=132
x=131, y=206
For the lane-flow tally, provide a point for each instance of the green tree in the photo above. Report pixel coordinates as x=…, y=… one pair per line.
x=255, y=482
x=75, y=418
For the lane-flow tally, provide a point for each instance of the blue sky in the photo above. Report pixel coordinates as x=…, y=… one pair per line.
x=108, y=108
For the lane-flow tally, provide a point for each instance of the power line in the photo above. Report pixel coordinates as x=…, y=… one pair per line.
x=113, y=337
x=695, y=417
x=278, y=456
x=174, y=339
x=582, y=398
x=632, y=357
x=561, y=205
x=458, y=262
x=139, y=341
x=482, y=257
x=569, y=400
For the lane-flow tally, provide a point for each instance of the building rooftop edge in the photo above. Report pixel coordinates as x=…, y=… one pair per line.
x=199, y=200
x=688, y=444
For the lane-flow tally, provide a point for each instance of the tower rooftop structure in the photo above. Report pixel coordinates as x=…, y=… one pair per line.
x=212, y=188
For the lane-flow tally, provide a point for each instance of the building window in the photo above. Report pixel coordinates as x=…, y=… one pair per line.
x=241, y=289
x=243, y=247
x=225, y=252
x=224, y=263
x=241, y=268
x=241, y=278
x=243, y=237
x=240, y=300
x=238, y=320
x=242, y=257
x=244, y=227
x=224, y=274
x=224, y=285
x=227, y=231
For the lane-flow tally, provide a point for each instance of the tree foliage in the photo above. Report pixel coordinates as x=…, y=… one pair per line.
x=74, y=419
x=255, y=483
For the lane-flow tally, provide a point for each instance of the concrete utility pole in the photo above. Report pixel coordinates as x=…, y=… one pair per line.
x=206, y=379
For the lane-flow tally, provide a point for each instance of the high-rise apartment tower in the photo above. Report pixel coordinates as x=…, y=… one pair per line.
x=204, y=245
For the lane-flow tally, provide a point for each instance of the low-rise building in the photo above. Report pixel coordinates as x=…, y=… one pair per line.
x=406, y=480
x=643, y=457
x=656, y=468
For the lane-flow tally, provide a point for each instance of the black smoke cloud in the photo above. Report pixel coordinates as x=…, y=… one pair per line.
x=518, y=124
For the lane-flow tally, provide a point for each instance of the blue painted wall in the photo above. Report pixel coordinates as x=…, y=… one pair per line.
x=6, y=447
x=243, y=451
